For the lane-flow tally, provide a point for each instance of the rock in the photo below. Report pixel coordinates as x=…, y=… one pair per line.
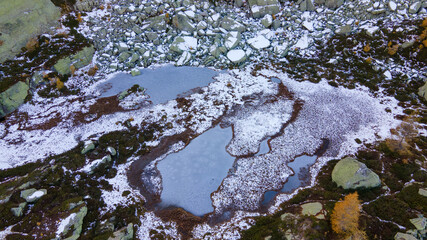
x=18, y=211
x=157, y=23
x=414, y=7
x=308, y=25
x=230, y=24
x=111, y=150
x=184, y=59
x=134, y=72
x=267, y=20
x=351, y=174
x=13, y=97
x=181, y=44
x=392, y=5
x=281, y=50
x=259, y=42
x=89, y=146
x=125, y=233
x=346, y=29
x=276, y=24
x=78, y=60
x=404, y=236
x=232, y=39
x=151, y=36
x=407, y=44
x=420, y=223
x=422, y=91
x=286, y=215
x=75, y=222
x=236, y=56
x=124, y=56
x=21, y=20
x=183, y=23
x=333, y=4
x=311, y=209
x=32, y=194
x=86, y=5
x=422, y=192
x=260, y=8
x=306, y=5
x=238, y=3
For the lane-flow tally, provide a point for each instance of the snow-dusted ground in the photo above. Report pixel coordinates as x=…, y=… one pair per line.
x=338, y=114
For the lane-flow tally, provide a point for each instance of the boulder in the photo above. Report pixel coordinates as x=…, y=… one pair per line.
x=184, y=59
x=134, y=72
x=260, y=8
x=78, y=60
x=232, y=39
x=86, y=5
x=21, y=20
x=422, y=91
x=420, y=223
x=311, y=209
x=112, y=151
x=414, y=7
x=259, y=42
x=181, y=44
x=267, y=20
x=75, y=221
x=13, y=97
x=346, y=29
x=18, y=211
x=404, y=236
x=157, y=23
x=32, y=194
x=183, y=23
x=333, y=4
x=351, y=174
x=231, y=24
x=125, y=233
x=89, y=146
x=306, y=5
x=236, y=56
x=422, y=192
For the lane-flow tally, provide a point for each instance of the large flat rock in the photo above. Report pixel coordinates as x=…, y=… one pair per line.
x=351, y=174
x=21, y=20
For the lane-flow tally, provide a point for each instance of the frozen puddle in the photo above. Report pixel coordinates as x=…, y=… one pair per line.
x=162, y=84
x=192, y=174
x=294, y=181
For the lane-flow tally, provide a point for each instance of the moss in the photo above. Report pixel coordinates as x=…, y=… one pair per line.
x=410, y=195
x=403, y=171
x=16, y=236
x=19, y=170
x=391, y=209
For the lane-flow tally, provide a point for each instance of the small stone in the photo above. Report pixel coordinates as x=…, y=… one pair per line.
x=422, y=192
x=232, y=39
x=151, y=36
x=346, y=29
x=18, y=211
x=124, y=56
x=134, y=72
x=392, y=5
x=89, y=146
x=266, y=21
x=407, y=44
x=32, y=194
x=415, y=7
x=184, y=59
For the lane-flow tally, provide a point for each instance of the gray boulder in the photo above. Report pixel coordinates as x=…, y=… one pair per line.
x=78, y=60
x=183, y=23
x=21, y=20
x=333, y=4
x=260, y=8
x=306, y=5
x=89, y=146
x=404, y=236
x=86, y=5
x=13, y=97
x=32, y=194
x=19, y=211
x=351, y=174
x=125, y=233
x=75, y=222
x=232, y=25
x=414, y=7
x=422, y=91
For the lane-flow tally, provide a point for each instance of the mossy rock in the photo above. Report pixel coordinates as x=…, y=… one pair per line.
x=352, y=174
x=21, y=20
x=13, y=97
x=78, y=60
x=422, y=91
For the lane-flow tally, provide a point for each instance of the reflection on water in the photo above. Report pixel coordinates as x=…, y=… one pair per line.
x=293, y=182
x=162, y=84
x=192, y=174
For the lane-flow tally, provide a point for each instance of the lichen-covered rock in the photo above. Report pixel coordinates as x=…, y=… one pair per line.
x=112, y=151
x=13, y=97
x=404, y=236
x=311, y=209
x=333, y=4
x=183, y=23
x=32, y=194
x=89, y=146
x=21, y=20
x=230, y=24
x=420, y=223
x=260, y=8
x=422, y=192
x=74, y=221
x=18, y=211
x=351, y=174
x=86, y=5
x=78, y=60
x=125, y=233
x=422, y=91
